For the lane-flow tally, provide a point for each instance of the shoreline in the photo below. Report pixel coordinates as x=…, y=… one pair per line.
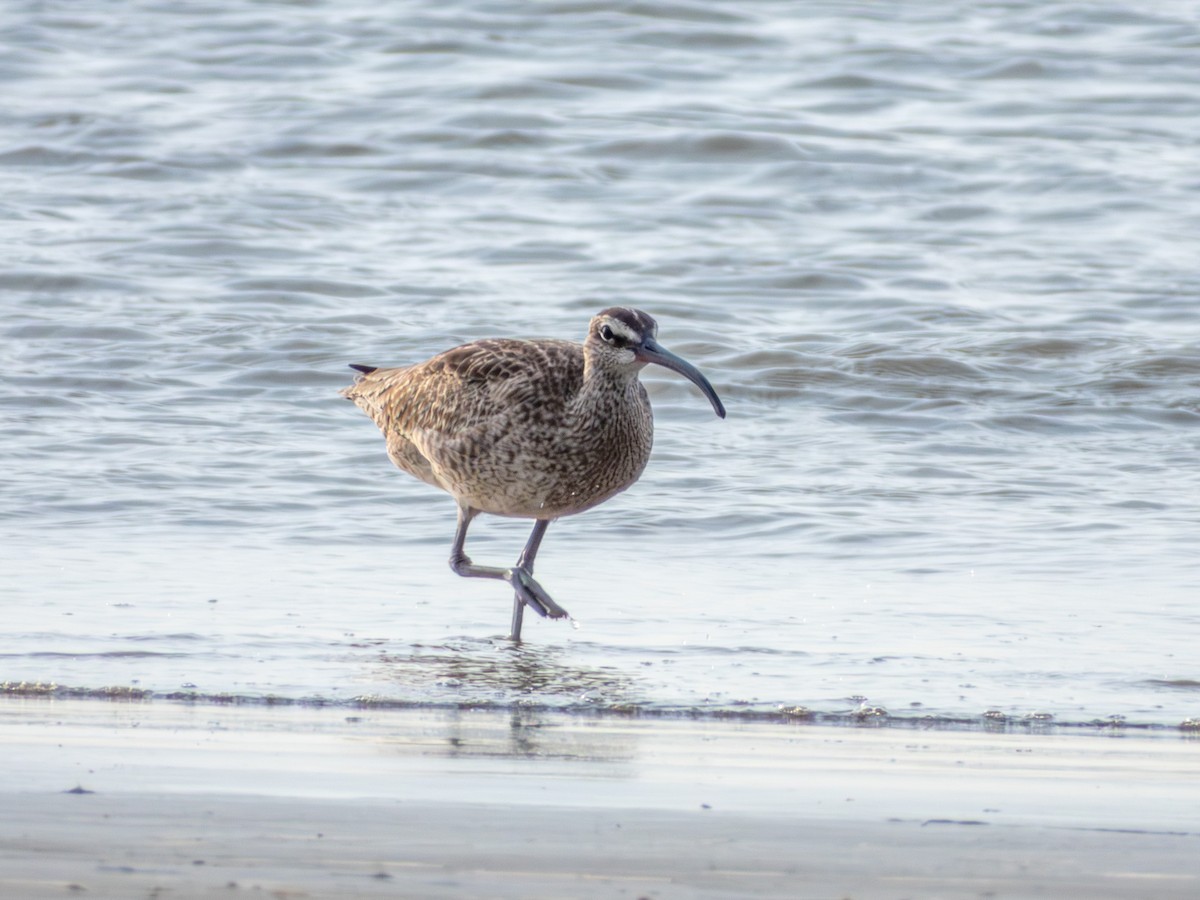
x=120, y=799
x=991, y=721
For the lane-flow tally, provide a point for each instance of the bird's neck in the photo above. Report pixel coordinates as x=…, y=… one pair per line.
x=612, y=389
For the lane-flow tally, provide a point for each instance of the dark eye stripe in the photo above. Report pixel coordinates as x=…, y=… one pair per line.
x=618, y=341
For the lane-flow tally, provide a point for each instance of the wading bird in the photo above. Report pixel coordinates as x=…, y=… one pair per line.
x=528, y=429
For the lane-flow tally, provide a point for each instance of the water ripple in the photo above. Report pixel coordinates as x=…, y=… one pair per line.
x=936, y=263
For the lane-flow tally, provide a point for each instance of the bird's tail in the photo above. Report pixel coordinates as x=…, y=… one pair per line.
x=349, y=392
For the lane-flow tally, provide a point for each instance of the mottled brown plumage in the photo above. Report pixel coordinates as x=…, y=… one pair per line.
x=532, y=429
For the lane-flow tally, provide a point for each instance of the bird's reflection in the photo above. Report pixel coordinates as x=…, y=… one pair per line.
x=467, y=671
x=500, y=699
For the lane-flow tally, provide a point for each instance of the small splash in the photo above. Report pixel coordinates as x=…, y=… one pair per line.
x=867, y=713
x=28, y=688
x=797, y=712
x=49, y=689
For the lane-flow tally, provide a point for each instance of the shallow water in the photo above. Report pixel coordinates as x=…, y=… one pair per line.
x=939, y=264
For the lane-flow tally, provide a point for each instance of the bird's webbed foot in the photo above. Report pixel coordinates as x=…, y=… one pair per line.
x=534, y=595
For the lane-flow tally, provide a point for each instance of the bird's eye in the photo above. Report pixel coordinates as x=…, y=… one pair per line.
x=606, y=333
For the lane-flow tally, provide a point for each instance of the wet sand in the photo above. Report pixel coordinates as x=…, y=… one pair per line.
x=211, y=801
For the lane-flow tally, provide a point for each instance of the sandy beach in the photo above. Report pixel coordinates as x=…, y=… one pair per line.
x=158, y=799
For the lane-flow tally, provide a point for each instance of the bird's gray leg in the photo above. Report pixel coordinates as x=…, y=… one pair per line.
x=526, y=589
x=540, y=600
x=459, y=561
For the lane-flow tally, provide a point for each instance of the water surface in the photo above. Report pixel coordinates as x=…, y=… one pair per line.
x=940, y=265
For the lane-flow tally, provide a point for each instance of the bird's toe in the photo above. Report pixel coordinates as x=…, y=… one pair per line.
x=535, y=597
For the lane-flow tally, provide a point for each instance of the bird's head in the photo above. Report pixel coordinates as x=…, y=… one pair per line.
x=621, y=338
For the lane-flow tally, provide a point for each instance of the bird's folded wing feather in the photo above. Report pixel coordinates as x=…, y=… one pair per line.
x=472, y=387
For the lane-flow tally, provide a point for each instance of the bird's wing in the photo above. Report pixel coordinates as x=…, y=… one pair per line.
x=472, y=389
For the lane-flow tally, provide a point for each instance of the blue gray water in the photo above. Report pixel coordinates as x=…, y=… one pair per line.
x=940, y=262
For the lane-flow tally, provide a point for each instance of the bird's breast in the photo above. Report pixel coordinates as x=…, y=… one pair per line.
x=534, y=468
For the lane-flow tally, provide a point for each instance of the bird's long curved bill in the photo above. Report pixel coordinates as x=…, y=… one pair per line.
x=651, y=352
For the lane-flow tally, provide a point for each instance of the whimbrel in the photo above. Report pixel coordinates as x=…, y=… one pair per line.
x=528, y=429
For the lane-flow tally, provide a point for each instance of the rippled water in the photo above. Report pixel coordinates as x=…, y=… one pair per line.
x=939, y=262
